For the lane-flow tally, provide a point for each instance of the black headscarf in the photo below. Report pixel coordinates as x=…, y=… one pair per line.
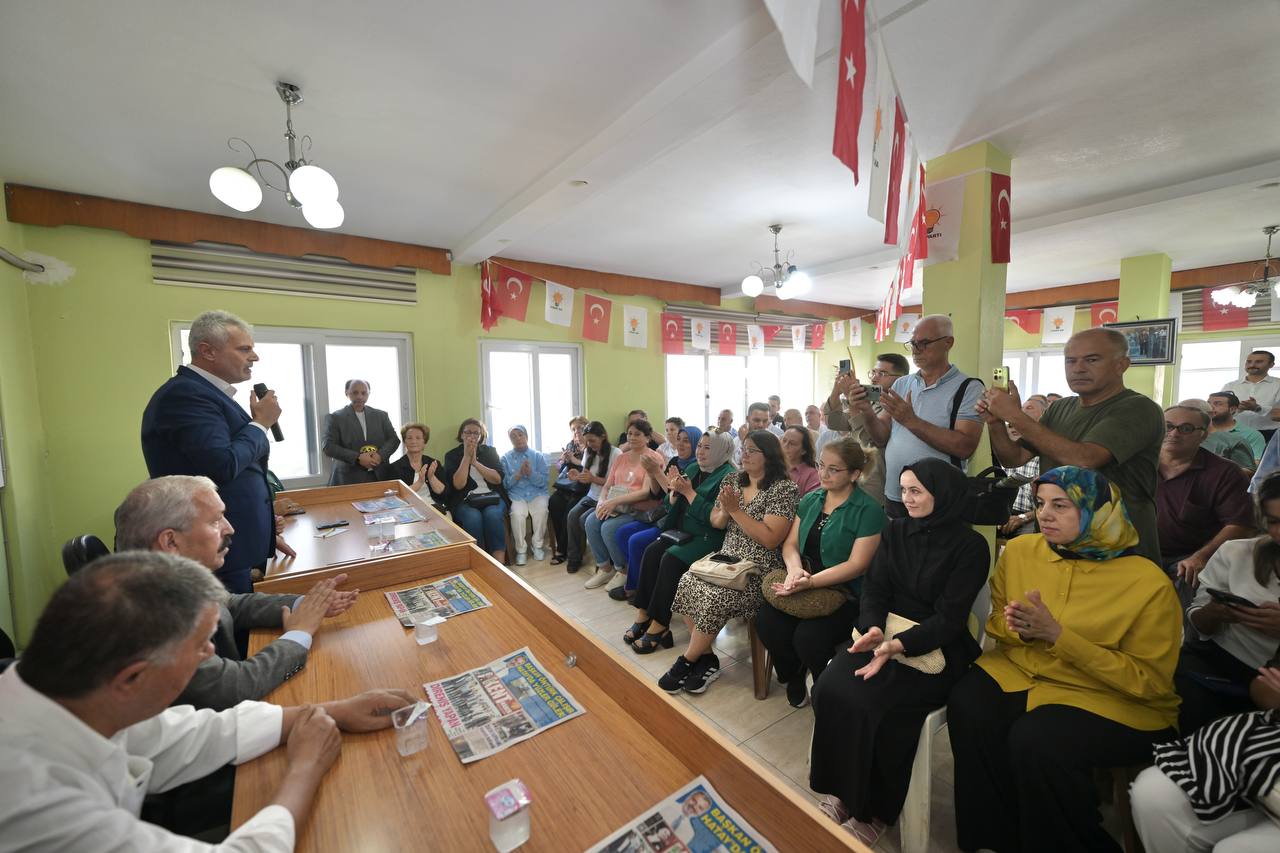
x=950, y=489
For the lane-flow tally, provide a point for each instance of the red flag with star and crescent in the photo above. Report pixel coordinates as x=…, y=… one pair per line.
x=596, y=314
x=817, y=335
x=728, y=333
x=672, y=333
x=1027, y=319
x=1001, y=219
x=851, y=80
x=489, y=312
x=512, y=289
x=1221, y=316
x=895, y=173
x=770, y=332
x=1104, y=312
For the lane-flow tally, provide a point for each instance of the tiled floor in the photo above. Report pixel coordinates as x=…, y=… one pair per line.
x=770, y=730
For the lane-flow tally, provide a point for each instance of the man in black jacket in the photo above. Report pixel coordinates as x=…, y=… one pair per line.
x=183, y=515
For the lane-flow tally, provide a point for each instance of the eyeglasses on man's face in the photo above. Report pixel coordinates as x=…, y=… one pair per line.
x=1181, y=429
x=914, y=345
x=877, y=373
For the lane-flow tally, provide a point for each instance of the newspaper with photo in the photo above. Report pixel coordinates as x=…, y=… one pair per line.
x=693, y=820
x=417, y=542
x=447, y=597
x=379, y=504
x=402, y=515
x=511, y=699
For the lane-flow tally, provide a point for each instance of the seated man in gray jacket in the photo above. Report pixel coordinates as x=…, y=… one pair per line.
x=183, y=515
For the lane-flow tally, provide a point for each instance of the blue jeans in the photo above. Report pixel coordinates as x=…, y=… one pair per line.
x=602, y=536
x=487, y=525
x=637, y=536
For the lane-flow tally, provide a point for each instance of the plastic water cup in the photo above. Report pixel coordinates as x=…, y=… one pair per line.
x=509, y=823
x=380, y=533
x=410, y=723
x=425, y=630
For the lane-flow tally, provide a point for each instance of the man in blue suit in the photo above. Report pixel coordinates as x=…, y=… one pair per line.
x=193, y=426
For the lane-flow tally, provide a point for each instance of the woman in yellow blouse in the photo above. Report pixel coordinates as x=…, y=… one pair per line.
x=1081, y=677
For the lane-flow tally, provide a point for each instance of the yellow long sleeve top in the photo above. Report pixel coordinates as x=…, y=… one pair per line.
x=1121, y=631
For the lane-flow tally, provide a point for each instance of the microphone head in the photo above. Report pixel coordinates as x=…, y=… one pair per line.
x=260, y=389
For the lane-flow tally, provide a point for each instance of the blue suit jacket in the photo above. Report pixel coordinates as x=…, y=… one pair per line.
x=190, y=427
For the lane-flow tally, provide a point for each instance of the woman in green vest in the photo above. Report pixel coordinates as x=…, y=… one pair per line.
x=834, y=536
x=688, y=535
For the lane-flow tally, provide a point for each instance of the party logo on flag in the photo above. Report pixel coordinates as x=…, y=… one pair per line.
x=728, y=334
x=596, y=313
x=755, y=340
x=942, y=219
x=855, y=332
x=837, y=330
x=700, y=338
x=559, y=308
x=1058, y=324
x=672, y=333
x=1104, y=312
x=797, y=338
x=905, y=327
x=635, y=326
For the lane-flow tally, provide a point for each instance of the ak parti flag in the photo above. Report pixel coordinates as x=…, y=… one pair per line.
x=728, y=334
x=513, y=288
x=895, y=173
x=851, y=80
x=1221, y=316
x=817, y=335
x=488, y=309
x=1104, y=312
x=596, y=313
x=1001, y=219
x=672, y=333
x=1026, y=319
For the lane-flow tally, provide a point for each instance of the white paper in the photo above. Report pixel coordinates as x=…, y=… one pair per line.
x=1057, y=325
x=945, y=208
x=700, y=333
x=904, y=327
x=559, y=310
x=755, y=340
x=797, y=338
x=635, y=326
x=855, y=332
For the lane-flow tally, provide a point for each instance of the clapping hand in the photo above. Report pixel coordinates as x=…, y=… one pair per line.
x=1031, y=620
x=525, y=468
x=899, y=408
x=730, y=500
x=649, y=464
x=680, y=485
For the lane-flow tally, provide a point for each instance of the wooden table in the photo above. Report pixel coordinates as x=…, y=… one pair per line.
x=349, y=551
x=633, y=747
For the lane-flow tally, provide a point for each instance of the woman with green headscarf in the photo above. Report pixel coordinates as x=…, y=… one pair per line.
x=1081, y=677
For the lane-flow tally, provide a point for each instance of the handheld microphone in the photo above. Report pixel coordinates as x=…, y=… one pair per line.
x=261, y=390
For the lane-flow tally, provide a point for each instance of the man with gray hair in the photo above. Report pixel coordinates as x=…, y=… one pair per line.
x=1107, y=428
x=192, y=426
x=86, y=730
x=184, y=516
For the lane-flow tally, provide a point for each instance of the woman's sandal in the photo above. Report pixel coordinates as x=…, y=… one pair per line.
x=635, y=632
x=650, y=643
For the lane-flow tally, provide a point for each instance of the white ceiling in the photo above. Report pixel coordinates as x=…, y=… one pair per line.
x=1134, y=127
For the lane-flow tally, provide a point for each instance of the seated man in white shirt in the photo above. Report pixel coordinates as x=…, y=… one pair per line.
x=86, y=732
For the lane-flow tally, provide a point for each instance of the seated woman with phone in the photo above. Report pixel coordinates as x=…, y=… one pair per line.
x=1236, y=618
x=688, y=533
x=756, y=508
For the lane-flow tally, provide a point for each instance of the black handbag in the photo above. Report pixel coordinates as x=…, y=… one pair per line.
x=676, y=537
x=991, y=495
x=482, y=500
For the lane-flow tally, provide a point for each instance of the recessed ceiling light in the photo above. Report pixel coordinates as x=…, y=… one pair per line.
x=1269, y=186
x=577, y=183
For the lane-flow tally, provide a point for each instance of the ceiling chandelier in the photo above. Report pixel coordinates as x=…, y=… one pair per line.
x=305, y=185
x=1246, y=295
x=787, y=281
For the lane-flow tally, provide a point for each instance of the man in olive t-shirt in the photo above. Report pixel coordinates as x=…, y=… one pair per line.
x=1108, y=428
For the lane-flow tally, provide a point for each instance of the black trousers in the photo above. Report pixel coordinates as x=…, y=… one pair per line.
x=575, y=535
x=1212, y=684
x=660, y=574
x=1024, y=779
x=558, y=506
x=800, y=645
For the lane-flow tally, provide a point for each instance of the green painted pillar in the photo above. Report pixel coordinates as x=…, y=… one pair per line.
x=1144, y=295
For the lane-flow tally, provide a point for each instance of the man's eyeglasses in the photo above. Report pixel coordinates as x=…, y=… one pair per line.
x=878, y=372
x=916, y=346
x=1181, y=429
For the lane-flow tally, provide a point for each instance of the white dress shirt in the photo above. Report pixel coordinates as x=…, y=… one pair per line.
x=1267, y=395
x=1230, y=569
x=65, y=787
x=222, y=385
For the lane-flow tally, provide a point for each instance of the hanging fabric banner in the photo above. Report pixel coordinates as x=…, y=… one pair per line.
x=513, y=289
x=755, y=340
x=851, y=76
x=942, y=220
x=728, y=338
x=596, y=315
x=701, y=334
x=672, y=333
x=797, y=23
x=895, y=174
x=1104, y=312
x=837, y=330
x=905, y=327
x=797, y=338
x=635, y=326
x=1026, y=319
x=1058, y=323
x=488, y=309
x=855, y=332
x=559, y=310
x=1218, y=317
x=817, y=336
x=770, y=332
x=1001, y=219
x=881, y=135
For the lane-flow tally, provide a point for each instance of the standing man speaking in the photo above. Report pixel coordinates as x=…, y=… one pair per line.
x=193, y=426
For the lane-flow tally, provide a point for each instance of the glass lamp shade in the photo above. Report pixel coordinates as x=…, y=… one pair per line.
x=1224, y=295
x=798, y=284
x=1245, y=299
x=783, y=290
x=313, y=185
x=324, y=215
x=752, y=285
x=235, y=188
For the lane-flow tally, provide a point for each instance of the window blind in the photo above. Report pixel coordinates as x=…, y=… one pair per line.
x=715, y=317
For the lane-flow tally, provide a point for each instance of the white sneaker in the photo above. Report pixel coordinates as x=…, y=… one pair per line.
x=619, y=578
x=521, y=559
x=599, y=579
x=539, y=555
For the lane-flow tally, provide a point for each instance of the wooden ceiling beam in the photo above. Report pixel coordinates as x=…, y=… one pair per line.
x=54, y=208
x=768, y=304
x=1103, y=291
x=616, y=283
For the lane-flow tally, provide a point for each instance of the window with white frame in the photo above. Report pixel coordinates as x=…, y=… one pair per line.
x=538, y=386
x=699, y=385
x=1205, y=366
x=1039, y=371
x=308, y=369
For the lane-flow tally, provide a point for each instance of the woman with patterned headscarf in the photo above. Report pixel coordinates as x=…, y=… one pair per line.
x=1081, y=677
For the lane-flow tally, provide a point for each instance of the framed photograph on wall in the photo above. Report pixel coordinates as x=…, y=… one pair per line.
x=1150, y=341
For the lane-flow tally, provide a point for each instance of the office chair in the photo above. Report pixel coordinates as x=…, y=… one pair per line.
x=82, y=550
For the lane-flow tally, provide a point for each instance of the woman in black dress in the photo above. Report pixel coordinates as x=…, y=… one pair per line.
x=869, y=705
x=416, y=468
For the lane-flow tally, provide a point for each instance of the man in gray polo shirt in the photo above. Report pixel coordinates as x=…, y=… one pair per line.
x=916, y=419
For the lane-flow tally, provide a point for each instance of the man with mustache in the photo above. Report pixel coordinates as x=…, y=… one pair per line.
x=183, y=515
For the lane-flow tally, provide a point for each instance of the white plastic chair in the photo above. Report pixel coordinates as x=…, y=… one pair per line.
x=913, y=823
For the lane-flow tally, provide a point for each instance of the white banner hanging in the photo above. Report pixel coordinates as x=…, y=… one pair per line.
x=1057, y=325
x=943, y=218
x=559, y=308
x=701, y=334
x=905, y=327
x=855, y=332
x=797, y=338
x=837, y=330
x=755, y=340
x=635, y=326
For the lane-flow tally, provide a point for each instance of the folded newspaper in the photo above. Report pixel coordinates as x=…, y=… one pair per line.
x=417, y=542
x=403, y=515
x=447, y=597
x=379, y=504
x=486, y=710
x=693, y=820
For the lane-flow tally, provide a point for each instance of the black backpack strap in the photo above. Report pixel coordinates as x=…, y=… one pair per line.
x=955, y=409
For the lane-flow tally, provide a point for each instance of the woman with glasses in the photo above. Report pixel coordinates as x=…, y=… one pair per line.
x=797, y=449
x=829, y=547
x=477, y=499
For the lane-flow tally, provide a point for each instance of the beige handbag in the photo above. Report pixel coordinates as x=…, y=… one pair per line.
x=930, y=663
x=737, y=575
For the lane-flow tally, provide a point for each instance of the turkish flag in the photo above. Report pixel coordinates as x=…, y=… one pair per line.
x=1001, y=219
x=1027, y=319
x=512, y=289
x=596, y=312
x=673, y=333
x=895, y=173
x=770, y=332
x=817, y=335
x=1104, y=312
x=728, y=333
x=1221, y=316
x=489, y=312
x=852, y=76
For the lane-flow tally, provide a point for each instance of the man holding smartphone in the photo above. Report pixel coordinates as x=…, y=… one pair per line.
x=889, y=367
